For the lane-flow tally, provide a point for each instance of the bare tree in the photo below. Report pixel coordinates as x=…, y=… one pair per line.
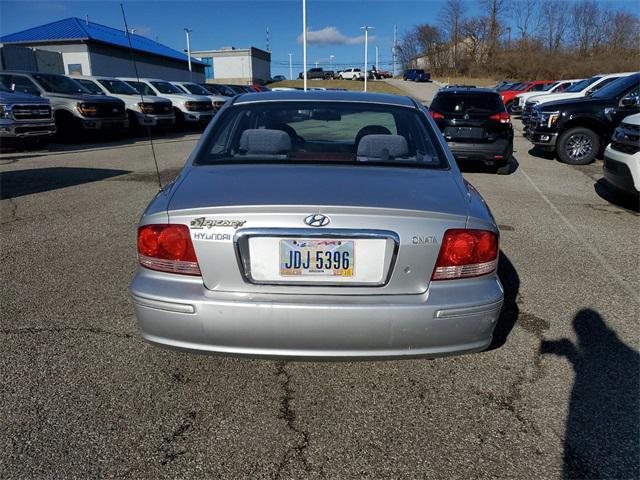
x=624, y=32
x=430, y=39
x=494, y=11
x=585, y=24
x=452, y=16
x=409, y=48
x=554, y=23
x=526, y=17
x=475, y=31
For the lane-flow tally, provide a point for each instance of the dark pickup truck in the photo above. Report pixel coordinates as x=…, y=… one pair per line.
x=317, y=73
x=577, y=129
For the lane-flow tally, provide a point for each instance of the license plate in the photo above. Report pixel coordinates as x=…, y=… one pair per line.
x=322, y=258
x=463, y=132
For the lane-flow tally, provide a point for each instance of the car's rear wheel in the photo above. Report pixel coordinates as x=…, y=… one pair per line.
x=578, y=146
x=509, y=106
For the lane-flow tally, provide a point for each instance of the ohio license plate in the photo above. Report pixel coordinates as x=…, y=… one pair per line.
x=317, y=257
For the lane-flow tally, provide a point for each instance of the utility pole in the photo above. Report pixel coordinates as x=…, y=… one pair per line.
x=268, y=48
x=394, y=50
x=290, y=67
x=331, y=57
x=316, y=64
x=187, y=31
x=366, y=29
x=377, y=64
x=304, y=42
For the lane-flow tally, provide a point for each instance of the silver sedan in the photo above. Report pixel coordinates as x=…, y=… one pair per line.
x=319, y=224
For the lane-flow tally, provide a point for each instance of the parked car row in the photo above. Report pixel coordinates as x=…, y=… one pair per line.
x=579, y=119
x=34, y=106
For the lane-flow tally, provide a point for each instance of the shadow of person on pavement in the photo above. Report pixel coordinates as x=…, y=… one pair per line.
x=602, y=437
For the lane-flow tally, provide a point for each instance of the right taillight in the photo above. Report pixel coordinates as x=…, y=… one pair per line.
x=466, y=253
x=502, y=117
x=435, y=115
x=167, y=248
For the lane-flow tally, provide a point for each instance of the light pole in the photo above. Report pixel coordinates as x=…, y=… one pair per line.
x=316, y=64
x=377, y=59
x=187, y=31
x=304, y=42
x=366, y=29
x=290, y=67
x=331, y=57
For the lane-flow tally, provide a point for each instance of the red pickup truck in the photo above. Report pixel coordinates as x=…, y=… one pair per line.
x=509, y=96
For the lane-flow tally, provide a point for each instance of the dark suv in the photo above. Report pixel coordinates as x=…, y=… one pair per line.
x=416, y=75
x=476, y=125
x=576, y=129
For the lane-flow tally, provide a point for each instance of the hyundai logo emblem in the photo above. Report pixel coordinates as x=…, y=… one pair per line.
x=317, y=220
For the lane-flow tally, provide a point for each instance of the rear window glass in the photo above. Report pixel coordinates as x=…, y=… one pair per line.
x=323, y=132
x=462, y=103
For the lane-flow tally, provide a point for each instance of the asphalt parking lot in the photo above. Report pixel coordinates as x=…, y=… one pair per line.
x=82, y=396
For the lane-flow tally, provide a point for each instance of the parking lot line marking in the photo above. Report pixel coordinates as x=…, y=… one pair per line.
x=603, y=261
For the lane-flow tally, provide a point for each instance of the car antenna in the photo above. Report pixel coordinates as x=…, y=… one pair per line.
x=135, y=68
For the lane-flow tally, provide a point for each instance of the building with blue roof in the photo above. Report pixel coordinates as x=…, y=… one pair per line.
x=88, y=48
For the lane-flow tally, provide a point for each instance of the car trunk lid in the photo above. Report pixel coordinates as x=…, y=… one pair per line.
x=241, y=217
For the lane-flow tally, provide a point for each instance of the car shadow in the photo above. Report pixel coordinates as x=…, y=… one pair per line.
x=16, y=183
x=602, y=436
x=540, y=153
x=618, y=199
x=480, y=167
x=510, y=281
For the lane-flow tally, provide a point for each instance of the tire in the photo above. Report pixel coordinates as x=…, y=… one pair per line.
x=341, y=77
x=505, y=168
x=67, y=126
x=578, y=146
x=179, y=119
x=509, y=106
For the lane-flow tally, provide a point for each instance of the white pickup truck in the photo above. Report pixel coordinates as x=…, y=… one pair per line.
x=351, y=74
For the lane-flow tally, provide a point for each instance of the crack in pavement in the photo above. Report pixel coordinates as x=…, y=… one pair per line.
x=38, y=330
x=288, y=414
x=12, y=213
x=169, y=450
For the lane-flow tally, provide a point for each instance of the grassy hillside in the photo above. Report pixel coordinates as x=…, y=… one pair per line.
x=374, y=86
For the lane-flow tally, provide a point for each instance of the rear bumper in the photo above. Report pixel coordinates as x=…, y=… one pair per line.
x=454, y=317
x=485, y=152
x=622, y=171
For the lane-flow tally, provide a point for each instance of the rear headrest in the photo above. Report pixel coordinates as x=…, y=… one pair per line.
x=382, y=146
x=264, y=141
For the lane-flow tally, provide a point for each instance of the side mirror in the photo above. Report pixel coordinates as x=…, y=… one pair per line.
x=629, y=101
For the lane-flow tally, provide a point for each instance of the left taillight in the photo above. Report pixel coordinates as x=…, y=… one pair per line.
x=167, y=248
x=466, y=253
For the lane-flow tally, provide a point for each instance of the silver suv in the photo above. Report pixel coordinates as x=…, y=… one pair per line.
x=149, y=111
x=24, y=118
x=74, y=108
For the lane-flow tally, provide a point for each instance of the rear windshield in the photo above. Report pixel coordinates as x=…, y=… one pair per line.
x=323, y=132
x=461, y=103
x=58, y=84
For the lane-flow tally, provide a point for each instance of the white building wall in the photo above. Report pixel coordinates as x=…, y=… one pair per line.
x=72, y=54
x=238, y=66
